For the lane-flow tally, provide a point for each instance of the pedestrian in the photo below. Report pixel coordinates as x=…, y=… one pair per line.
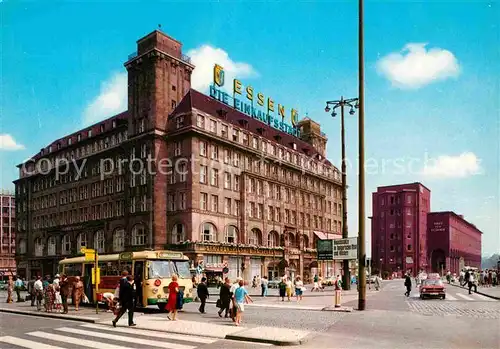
x=31, y=290
x=77, y=292
x=377, y=282
x=18, y=286
x=171, y=307
x=282, y=289
x=299, y=289
x=50, y=296
x=448, y=276
x=289, y=286
x=316, y=283
x=241, y=297
x=10, y=289
x=65, y=290
x=472, y=283
x=232, y=291
x=203, y=294
x=408, y=284
x=57, y=299
x=225, y=298
x=46, y=292
x=127, y=298
x=263, y=285
x=109, y=298
x=466, y=278
x=38, y=286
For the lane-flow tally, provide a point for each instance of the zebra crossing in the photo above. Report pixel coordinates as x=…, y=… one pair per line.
x=457, y=296
x=101, y=336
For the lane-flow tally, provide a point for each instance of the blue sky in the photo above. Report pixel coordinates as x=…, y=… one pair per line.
x=62, y=67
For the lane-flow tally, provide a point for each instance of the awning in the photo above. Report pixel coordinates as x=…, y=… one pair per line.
x=326, y=236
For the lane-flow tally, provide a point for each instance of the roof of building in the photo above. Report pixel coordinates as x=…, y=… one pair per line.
x=456, y=215
x=401, y=185
x=197, y=100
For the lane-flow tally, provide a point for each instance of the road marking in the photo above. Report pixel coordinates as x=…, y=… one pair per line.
x=147, y=342
x=467, y=298
x=154, y=334
x=77, y=341
x=449, y=297
x=483, y=298
x=27, y=343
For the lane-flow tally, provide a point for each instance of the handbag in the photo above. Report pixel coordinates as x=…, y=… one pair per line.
x=218, y=304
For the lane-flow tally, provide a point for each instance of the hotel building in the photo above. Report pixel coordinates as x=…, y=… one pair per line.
x=222, y=187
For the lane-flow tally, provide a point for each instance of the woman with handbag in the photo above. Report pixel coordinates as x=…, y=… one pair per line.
x=224, y=300
x=171, y=307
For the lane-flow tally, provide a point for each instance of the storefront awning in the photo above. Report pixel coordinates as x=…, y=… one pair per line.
x=326, y=236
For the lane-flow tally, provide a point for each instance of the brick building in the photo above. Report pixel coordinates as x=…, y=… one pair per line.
x=399, y=227
x=452, y=242
x=7, y=234
x=241, y=193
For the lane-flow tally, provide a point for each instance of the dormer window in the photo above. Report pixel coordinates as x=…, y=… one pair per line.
x=101, y=128
x=58, y=146
x=294, y=146
x=222, y=113
x=277, y=138
x=69, y=141
x=50, y=149
x=89, y=133
x=79, y=137
x=114, y=124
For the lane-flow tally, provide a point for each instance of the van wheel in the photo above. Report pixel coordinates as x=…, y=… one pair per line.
x=443, y=296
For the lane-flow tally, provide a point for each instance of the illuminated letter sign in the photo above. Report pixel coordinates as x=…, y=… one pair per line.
x=218, y=75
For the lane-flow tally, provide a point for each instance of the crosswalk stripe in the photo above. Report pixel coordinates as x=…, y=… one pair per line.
x=71, y=340
x=148, y=342
x=27, y=343
x=467, y=298
x=481, y=297
x=155, y=334
x=449, y=297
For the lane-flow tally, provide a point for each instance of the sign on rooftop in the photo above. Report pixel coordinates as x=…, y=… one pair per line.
x=255, y=104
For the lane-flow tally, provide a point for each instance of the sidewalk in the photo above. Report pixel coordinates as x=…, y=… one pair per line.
x=492, y=292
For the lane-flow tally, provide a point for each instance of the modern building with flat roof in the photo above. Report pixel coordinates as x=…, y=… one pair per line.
x=184, y=171
x=7, y=234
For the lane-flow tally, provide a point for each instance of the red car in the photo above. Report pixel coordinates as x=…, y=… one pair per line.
x=432, y=288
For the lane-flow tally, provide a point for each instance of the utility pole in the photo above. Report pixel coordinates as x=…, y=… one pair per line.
x=332, y=105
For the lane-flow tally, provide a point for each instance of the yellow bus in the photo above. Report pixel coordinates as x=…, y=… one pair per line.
x=154, y=270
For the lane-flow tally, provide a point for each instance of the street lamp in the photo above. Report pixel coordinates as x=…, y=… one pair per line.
x=332, y=106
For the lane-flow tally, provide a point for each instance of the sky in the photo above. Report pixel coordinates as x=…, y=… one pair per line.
x=432, y=83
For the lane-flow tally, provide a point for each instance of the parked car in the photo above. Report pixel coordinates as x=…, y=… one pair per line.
x=329, y=281
x=432, y=287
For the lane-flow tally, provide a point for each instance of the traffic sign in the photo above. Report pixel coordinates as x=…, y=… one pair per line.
x=87, y=250
x=89, y=257
x=94, y=276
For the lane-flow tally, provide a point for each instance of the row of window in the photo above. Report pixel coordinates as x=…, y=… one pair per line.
x=258, y=143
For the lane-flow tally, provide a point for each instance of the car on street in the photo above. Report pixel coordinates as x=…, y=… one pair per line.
x=329, y=281
x=432, y=288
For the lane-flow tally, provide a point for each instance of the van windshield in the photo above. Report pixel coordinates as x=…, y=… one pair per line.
x=167, y=268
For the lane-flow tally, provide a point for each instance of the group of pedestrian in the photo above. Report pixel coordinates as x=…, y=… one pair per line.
x=287, y=288
x=52, y=293
x=14, y=284
x=232, y=299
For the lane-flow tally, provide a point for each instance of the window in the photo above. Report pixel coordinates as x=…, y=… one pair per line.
x=203, y=201
x=89, y=134
x=236, y=135
x=255, y=142
x=227, y=205
x=200, y=121
x=215, y=203
x=213, y=126
x=408, y=248
x=182, y=172
x=231, y=235
x=171, y=202
x=208, y=232
x=203, y=148
x=138, y=235
x=252, y=210
x=119, y=240
x=227, y=180
x=236, y=207
x=179, y=121
x=224, y=131
x=203, y=174
x=99, y=241
x=215, y=153
x=273, y=239
x=182, y=201
x=173, y=102
x=38, y=247
x=270, y=213
x=214, y=178
x=227, y=156
x=81, y=241
x=255, y=237
x=140, y=127
x=22, y=246
x=177, y=148
x=178, y=233
x=51, y=246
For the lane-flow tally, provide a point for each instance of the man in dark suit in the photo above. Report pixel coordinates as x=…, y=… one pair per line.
x=203, y=294
x=127, y=298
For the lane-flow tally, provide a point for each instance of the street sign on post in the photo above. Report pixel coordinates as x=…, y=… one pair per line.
x=345, y=248
x=96, y=274
x=325, y=250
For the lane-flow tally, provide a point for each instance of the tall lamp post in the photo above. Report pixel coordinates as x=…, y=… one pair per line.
x=332, y=106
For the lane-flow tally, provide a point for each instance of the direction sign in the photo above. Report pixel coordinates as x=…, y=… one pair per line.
x=89, y=257
x=325, y=250
x=345, y=248
x=87, y=250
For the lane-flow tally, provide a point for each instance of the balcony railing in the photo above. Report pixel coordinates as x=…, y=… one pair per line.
x=186, y=58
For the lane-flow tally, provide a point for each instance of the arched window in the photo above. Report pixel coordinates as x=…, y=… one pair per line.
x=273, y=239
x=81, y=241
x=99, y=241
x=231, y=235
x=255, y=237
x=119, y=240
x=291, y=240
x=178, y=233
x=305, y=238
x=51, y=246
x=38, y=247
x=66, y=244
x=208, y=232
x=22, y=246
x=138, y=235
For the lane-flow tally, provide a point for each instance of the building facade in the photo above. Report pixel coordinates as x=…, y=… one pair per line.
x=453, y=242
x=399, y=228
x=184, y=171
x=7, y=234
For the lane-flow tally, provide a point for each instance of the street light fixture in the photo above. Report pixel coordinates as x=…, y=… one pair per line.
x=333, y=105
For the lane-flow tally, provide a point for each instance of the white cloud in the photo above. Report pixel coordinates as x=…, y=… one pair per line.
x=460, y=166
x=7, y=142
x=111, y=100
x=204, y=58
x=415, y=66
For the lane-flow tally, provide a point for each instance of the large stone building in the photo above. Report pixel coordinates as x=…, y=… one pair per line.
x=399, y=227
x=180, y=170
x=7, y=234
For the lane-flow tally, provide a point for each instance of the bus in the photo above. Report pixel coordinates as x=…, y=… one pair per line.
x=153, y=268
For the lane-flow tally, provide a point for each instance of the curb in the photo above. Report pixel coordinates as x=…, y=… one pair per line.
x=481, y=293
x=49, y=315
x=338, y=309
x=236, y=337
